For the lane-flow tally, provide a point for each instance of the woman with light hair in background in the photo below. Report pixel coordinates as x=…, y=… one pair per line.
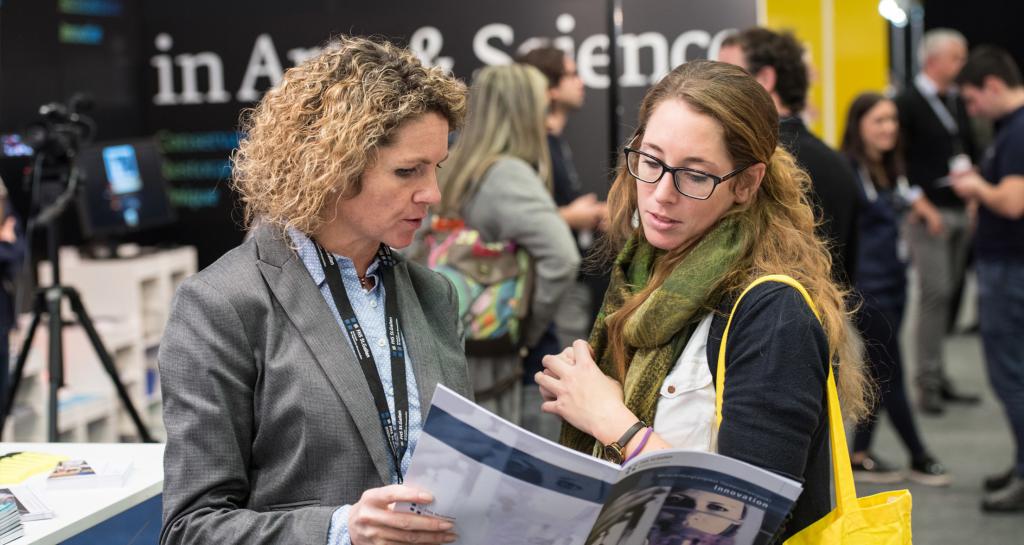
x=296, y=370
x=498, y=181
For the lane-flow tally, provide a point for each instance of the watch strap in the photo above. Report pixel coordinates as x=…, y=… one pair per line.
x=630, y=433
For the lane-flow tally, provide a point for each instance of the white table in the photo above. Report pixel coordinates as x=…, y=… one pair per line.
x=78, y=510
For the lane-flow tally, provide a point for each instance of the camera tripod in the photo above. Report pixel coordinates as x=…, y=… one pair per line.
x=48, y=301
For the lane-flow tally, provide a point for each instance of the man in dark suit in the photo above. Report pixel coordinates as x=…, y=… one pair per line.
x=937, y=139
x=776, y=61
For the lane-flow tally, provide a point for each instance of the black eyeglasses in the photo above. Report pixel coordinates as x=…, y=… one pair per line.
x=693, y=183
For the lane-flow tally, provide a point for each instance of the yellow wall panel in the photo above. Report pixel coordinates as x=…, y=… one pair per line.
x=862, y=54
x=803, y=19
x=847, y=42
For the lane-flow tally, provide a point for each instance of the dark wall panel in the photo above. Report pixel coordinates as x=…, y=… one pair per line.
x=179, y=69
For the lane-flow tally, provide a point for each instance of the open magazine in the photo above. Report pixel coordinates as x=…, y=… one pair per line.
x=499, y=483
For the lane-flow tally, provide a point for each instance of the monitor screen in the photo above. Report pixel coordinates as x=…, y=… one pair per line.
x=123, y=188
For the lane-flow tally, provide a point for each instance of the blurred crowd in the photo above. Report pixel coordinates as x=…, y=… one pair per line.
x=910, y=186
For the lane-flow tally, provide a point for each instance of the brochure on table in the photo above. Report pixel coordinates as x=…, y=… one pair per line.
x=501, y=484
x=10, y=520
x=81, y=474
x=30, y=506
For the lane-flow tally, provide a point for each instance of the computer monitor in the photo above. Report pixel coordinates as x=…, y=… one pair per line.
x=123, y=188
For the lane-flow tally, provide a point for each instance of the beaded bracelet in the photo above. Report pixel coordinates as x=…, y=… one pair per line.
x=640, y=447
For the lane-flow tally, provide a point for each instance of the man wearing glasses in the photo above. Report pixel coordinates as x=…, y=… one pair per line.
x=776, y=60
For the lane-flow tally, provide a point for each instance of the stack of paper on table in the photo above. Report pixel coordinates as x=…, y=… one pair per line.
x=30, y=506
x=10, y=522
x=79, y=474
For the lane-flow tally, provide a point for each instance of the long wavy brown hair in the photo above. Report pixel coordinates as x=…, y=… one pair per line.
x=778, y=220
x=309, y=139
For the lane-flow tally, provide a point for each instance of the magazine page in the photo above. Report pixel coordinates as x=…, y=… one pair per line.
x=687, y=497
x=501, y=484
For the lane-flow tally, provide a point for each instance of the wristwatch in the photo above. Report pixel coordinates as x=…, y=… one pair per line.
x=614, y=451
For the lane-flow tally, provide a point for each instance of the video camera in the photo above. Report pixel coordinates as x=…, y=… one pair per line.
x=61, y=129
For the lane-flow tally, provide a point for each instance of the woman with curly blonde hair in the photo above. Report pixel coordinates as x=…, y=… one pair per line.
x=704, y=203
x=295, y=369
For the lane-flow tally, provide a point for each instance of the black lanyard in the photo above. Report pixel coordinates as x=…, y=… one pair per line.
x=396, y=430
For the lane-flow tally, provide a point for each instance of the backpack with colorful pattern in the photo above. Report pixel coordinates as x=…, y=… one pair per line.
x=493, y=282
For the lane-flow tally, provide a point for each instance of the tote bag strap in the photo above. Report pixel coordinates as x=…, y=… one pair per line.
x=846, y=491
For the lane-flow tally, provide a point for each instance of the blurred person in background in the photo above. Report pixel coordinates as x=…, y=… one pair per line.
x=937, y=137
x=583, y=212
x=12, y=254
x=776, y=60
x=296, y=369
x=993, y=89
x=498, y=180
x=871, y=144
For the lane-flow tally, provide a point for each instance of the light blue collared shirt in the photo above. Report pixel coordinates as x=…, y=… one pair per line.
x=369, y=309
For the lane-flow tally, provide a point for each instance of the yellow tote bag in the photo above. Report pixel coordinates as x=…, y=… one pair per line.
x=881, y=519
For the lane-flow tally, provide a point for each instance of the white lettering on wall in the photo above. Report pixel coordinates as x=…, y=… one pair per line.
x=593, y=55
x=427, y=43
x=494, y=43
x=483, y=49
x=684, y=41
x=190, y=65
x=164, y=71
x=631, y=46
x=263, y=63
x=565, y=23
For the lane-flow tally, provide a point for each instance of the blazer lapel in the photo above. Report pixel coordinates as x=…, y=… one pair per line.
x=417, y=335
x=299, y=296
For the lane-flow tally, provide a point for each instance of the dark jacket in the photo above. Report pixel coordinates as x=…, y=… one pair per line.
x=928, y=146
x=774, y=411
x=881, y=271
x=12, y=255
x=834, y=194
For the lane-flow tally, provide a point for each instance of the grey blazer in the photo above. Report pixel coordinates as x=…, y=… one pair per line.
x=270, y=422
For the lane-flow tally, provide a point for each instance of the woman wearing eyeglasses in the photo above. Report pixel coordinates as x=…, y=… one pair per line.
x=705, y=202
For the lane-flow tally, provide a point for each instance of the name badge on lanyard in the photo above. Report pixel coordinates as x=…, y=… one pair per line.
x=396, y=428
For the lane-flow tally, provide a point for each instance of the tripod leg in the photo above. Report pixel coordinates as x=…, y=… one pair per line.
x=56, y=355
x=107, y=361
x=19, y=367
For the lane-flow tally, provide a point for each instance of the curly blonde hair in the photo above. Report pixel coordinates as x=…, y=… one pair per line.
x=779, y=217
x=309, y=139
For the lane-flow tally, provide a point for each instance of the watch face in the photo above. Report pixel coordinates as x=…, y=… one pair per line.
x=613, y=453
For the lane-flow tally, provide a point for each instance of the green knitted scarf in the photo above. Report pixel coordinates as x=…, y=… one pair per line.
x=659, y=328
